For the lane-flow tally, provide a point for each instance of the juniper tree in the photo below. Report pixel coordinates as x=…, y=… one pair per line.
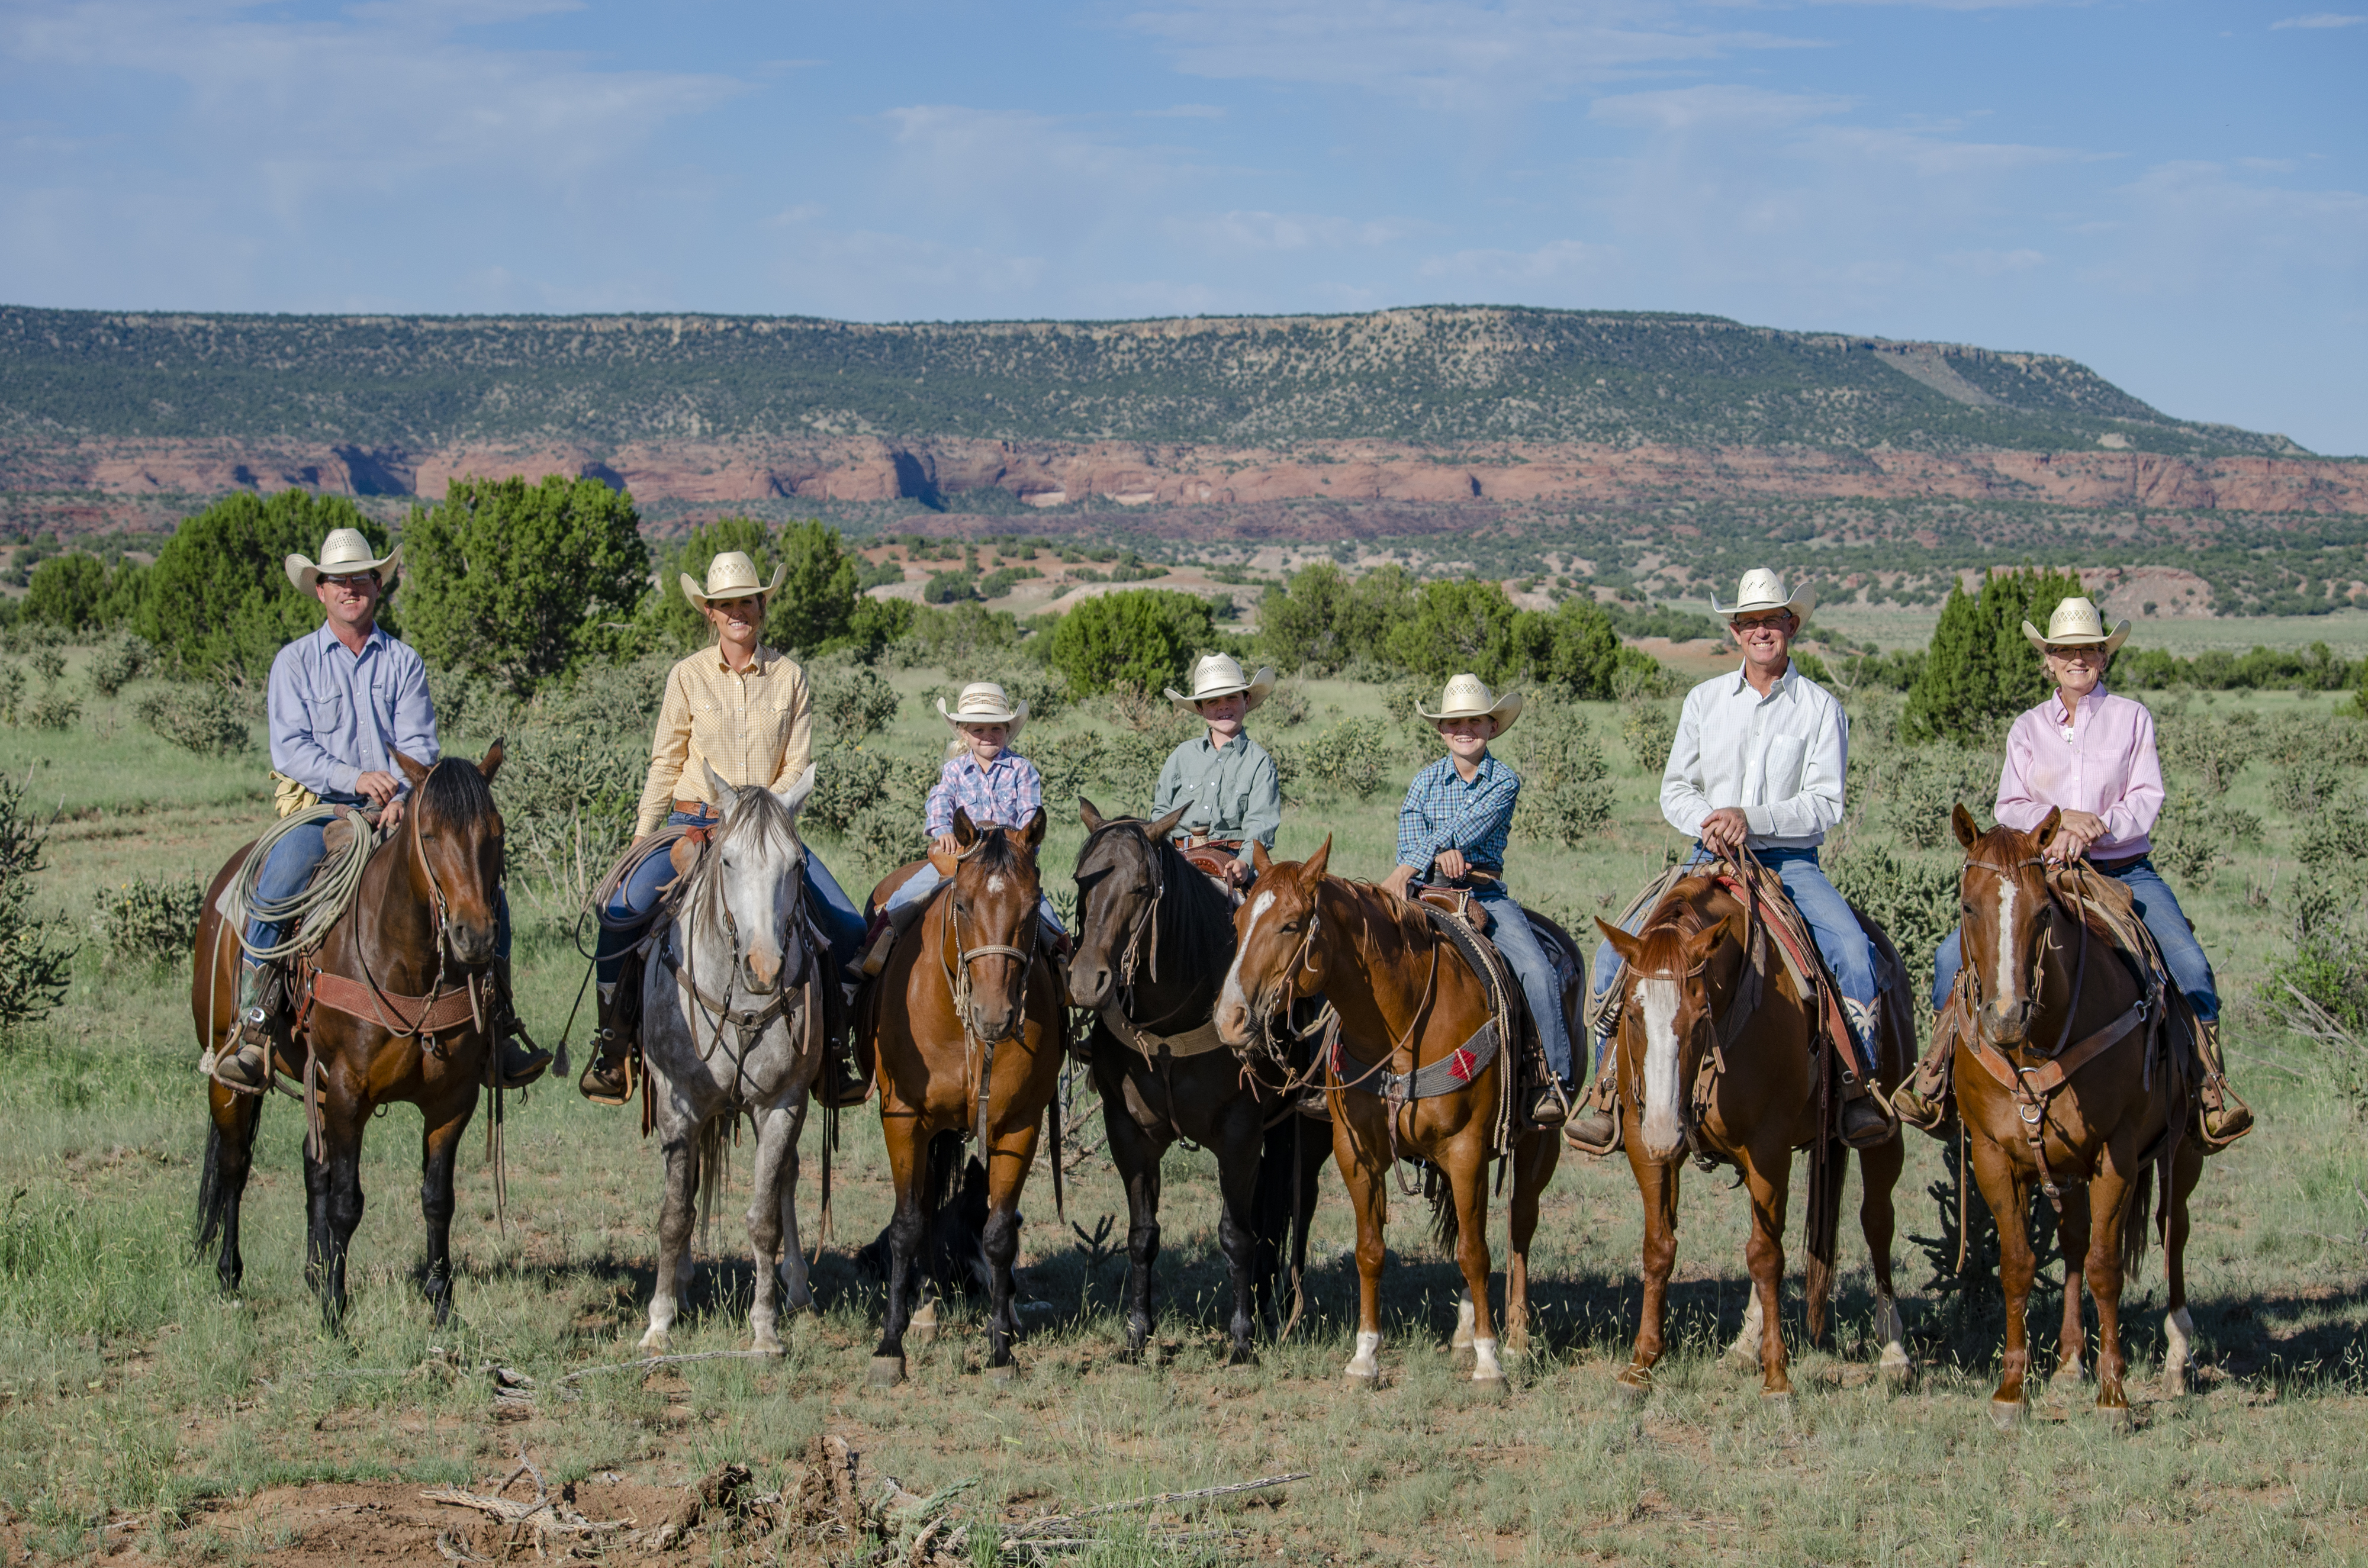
x=1979, y=668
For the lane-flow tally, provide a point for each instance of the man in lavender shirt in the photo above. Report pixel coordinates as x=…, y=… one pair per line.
x=342, y=702
x=2090, y=754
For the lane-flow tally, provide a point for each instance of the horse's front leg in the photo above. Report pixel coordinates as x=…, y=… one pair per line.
x=340, y=1204
x=776, y=1149
x=2177, y=1327
x=2007, y=1191
x=222, y=1190
x=440, y=1146
x=1467, y=1178
x=1657, y=1187
x=908, y=1145
x=797, y=1292
x=1011, y=1152
x=1767, y=1177
x=1238, y=1143
x=2072, y=1229
x=1363, y=1167
x=1878, y=1171
x=2108, y=1201
x=679, y=1147
x=1136, y=1153
x=1533, y=1167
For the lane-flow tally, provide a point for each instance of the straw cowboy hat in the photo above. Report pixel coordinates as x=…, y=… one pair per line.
x=343, y=554
x=731, y=575
x=2076, y=623
x=1763, y=590
x=1468, y=696
x=983, y=703
x=1217, y=675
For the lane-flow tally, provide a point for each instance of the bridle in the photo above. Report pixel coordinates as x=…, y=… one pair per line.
x=447, y=956
x=957, y=971
x=747, y=1023
x=1972, y=971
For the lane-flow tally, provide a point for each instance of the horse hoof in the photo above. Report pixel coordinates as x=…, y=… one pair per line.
x=1777, y=1400
x=2067, y=1380
x=2115, y=1419
x=1491, y=1388
x=1365, y=1381
x=2008, y=1415
x=654, y=1343
x=1896, y=1371
x=769, y=1345
x=1003, y=1376
x=1241, y=1356
x=1632, y=1387
x=887, y=1371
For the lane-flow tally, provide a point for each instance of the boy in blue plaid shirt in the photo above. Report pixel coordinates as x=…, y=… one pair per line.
x=1452, y=830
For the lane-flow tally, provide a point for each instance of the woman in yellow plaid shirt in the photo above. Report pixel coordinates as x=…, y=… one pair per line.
x=743, y=710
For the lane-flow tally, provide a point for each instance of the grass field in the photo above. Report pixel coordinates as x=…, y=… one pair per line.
x=145, y=1418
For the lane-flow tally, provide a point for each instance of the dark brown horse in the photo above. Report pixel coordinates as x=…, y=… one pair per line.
x=2067, y=1081
x=1155, y=938
x=1718, y=1058
x=1409, y=1007
x=968, y=1028
x=420, y=935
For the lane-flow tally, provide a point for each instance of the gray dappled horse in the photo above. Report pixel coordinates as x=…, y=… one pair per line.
x=733, y=1023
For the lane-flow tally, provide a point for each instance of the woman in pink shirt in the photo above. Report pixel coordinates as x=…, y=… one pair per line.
x=2091, y=754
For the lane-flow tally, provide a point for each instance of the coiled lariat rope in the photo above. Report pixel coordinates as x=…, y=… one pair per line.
x=312, y=908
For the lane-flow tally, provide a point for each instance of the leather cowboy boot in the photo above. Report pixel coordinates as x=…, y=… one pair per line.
x=1922, y=1102
x=887, y=926
x=1599, y=1127
x=1864, y=1121
x=262, y=996
x=1551, y=1105
x=2224, y=1117
x=608, y=1076
x=517, y=1066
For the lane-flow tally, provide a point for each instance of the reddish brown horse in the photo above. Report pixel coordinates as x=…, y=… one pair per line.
x=1414, y=1075
x=2067, y=1081
x=1717, y=1059
x=967, y=1024
x=415, y=949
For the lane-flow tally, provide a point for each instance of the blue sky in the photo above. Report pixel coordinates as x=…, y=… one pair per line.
x=2176, y=194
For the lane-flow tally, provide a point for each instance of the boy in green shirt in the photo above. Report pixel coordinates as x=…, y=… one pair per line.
x=1226, y=783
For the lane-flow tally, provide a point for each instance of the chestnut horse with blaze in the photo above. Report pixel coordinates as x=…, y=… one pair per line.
x=968, y=1023
x=1406, y=999
x=2065, y=1082
x=421, y=930
x=1718, y=1057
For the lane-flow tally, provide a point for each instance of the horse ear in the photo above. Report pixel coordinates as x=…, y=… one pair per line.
x=1032, y=833
x=2045, y=831
x=1167, y=824
x=723, y=793
x=793, y=799
x=1700, y=944
x=965, y=831
x=1626, y=945
x=1312, y=872
x=491, y=763
x=1962, y=821
x=1089, y=815
x=413, y=770
x=1261, y=861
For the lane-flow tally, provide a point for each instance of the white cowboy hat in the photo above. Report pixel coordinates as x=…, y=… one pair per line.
x=983, y=703
x=731, y=575
x=1763, y=590
x=1218, y=675
x=1468, y=696
x=2076, y=623
x=343, y=554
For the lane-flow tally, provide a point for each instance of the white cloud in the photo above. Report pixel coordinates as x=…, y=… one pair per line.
x=1557, y=261
x=2201, y=229
x=1459, y=54
x=2318, y=19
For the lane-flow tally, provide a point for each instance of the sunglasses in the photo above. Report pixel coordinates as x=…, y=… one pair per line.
x=1760, y=622
x=352, y=580
x=2074, y=655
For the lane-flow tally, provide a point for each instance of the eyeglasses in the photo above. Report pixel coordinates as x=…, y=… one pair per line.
x=1760, y=622
x=352, y=580
x=2076, y=655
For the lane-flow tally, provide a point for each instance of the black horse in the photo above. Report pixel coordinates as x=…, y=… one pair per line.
x=1154, y=940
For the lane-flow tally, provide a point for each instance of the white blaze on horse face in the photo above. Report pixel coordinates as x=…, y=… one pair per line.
x=1231, y=1002
x=2009, y=980
x=1658, y=997
x=994, y=884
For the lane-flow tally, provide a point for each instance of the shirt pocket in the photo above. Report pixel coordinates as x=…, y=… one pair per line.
x=325, y=713
x=1788, y=757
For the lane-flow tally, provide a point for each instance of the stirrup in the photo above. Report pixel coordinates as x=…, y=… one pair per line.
x=607, y=1082
x=1598, y=1133
x=1866, y=1134
x=245, y=1068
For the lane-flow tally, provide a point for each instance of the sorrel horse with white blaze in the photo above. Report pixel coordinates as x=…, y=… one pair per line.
x=1716, y=1057
x=421, y=932
x=2067, y=1081
x=967, y=1024
x=1406, y=1001
x=1154, y=939
x=740, y=1029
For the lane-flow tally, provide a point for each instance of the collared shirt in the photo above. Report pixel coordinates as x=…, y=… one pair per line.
x=1228, y=792
x=753, y=726
x=1780, y=758
x=1004, y=793
x=337, y=714
x=2106, y=766
x=1444, y=810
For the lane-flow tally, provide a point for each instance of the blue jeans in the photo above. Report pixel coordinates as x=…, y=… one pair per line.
x=290, y=865
x=1840, y=940
x=923, y=882
x=2158, y=907
x=841, y=925
x=1509, y=929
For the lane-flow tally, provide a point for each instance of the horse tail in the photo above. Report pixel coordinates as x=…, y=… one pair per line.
x=714, y=1168
x=1828, y=1164
x=215, y=1188
x=2134, y=1226
x=1446, y=1226
x=943, y=1181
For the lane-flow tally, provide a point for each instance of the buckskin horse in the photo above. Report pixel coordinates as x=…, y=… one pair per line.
x=1155, y=938
x=2067, y=1079
x=968, y=1025
x=1415, y=1070
x=1718, y=1050
x=393, y=1006
x=739, y=1029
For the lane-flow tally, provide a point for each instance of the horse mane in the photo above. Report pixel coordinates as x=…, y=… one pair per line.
x=1678, y=915
x=995, y=851
x=1196, y=921
x=759, y=815
x=456, y=790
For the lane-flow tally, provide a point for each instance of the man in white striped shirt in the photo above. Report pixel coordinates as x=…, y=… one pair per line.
x=1759, y=760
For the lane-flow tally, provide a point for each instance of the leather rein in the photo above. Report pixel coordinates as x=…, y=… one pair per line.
x=956, y=970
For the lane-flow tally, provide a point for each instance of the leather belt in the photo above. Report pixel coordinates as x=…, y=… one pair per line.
x=2116, y=868
x=694, y=808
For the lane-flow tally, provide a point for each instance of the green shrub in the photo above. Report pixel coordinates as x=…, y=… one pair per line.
x=1322, y=621
x=218, y=600
x=850, y=701
x=34, y=970
x=2301, y=790
x=52, y=710
x=1564, y=798
x=1351, y=758
x=1979, y=668
x=1576, y=649
x=2209, y=749
x=119, y=661
x=1144, y=638
x=66, y=591
x=1286, y=707
x=208, y=719
x=12, y=695
x=1650, y=728
x=950, y=588
x=1911, y=790
x=50, y=664
x=954, y=640
x=1459, y=626
x=1913, y=898
x=1079, y=763
x=150, y=920
x=1003, y=579
x=2193, y=835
